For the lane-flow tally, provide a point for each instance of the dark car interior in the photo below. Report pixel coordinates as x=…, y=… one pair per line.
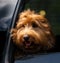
x=9, y=10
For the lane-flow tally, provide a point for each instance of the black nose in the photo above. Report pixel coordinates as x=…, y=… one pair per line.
x=26, y=37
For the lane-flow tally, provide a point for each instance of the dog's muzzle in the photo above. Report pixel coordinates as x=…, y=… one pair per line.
x=26, y=41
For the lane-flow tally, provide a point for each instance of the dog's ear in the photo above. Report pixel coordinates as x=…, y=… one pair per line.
x=43, y=13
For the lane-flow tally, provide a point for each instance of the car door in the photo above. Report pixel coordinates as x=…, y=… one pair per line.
x=8, y=13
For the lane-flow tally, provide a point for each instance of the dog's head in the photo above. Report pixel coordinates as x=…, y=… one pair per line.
x=32, y=32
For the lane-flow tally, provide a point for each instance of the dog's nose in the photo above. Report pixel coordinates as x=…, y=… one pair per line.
x=26, y=37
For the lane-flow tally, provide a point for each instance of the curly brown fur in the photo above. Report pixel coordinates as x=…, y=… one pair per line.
x=32, y=32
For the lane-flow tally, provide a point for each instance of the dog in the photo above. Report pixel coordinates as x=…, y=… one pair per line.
x=32, y=32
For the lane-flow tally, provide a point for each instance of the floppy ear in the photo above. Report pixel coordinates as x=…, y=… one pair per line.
x=43, y=13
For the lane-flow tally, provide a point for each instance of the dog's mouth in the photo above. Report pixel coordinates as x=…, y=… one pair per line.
x=28, y=44
x=30, y=47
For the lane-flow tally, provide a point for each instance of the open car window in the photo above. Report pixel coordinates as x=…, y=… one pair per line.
x=52, y=13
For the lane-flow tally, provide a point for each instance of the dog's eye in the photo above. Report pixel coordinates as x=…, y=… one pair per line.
x=22, y=26
x=43, y=21
x=34, y=25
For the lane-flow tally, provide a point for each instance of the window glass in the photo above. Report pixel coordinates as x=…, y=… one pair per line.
x=7, y=8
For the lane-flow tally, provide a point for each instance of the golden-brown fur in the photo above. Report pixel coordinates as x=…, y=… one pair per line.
x=37, y=28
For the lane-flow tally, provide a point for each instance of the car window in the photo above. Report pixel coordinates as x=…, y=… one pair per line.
x=51, y=9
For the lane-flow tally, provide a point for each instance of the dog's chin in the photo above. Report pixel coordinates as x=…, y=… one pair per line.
x=30, y=47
